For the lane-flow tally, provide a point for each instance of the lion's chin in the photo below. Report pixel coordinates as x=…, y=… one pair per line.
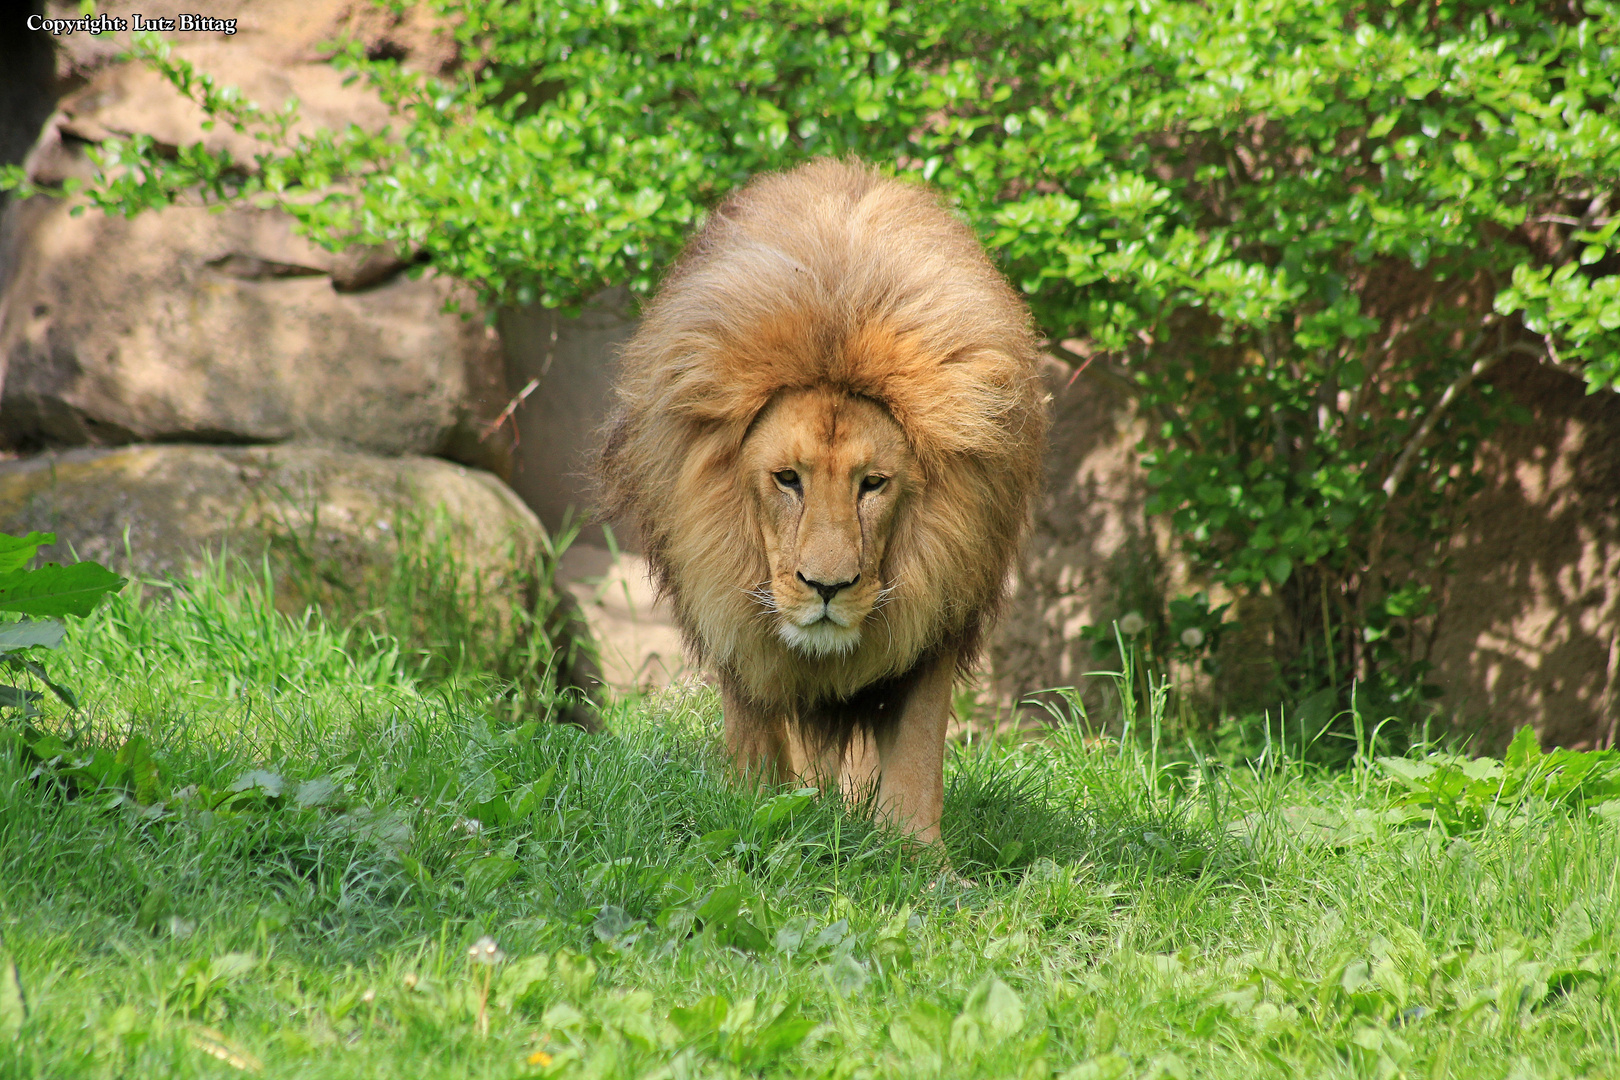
x=821, y=638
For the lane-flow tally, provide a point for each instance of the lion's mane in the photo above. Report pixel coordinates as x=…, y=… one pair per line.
x=829, y=276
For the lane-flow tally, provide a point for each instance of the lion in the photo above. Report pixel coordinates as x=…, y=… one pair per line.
x=828, y=432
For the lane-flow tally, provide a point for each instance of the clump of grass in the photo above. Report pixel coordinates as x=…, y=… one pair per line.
x=516, y=632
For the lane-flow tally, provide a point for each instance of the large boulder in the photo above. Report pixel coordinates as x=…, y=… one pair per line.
x=336, y=524
x=226, y=327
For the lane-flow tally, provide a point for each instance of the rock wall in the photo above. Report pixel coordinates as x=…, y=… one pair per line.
x=1529, y=630
x=571, y=362
x=1530, y=624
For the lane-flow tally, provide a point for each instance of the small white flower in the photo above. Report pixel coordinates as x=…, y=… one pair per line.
x=1132, y=624
x=368, y=997
x=485, y=951
x=1192, y=637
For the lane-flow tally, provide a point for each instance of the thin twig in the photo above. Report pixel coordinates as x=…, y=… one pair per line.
x=506, y=414
x=1414, y=445
x=1409, y=453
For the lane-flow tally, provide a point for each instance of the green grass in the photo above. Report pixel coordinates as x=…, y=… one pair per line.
x=1124, y=917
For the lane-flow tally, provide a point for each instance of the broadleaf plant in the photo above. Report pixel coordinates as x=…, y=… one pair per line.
x=47, y=593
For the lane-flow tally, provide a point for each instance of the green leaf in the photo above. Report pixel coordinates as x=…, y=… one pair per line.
x=13, y=1004
x=722, y=905
x=153, y=910
x=783, y=807
x=1522, y=751
x=483, y=876
x=991, y=1014
x=67, y=697
x=17, y=551
x=1000, y=1010
x=493, y=811
x=744, y=935
x=269, y=784
x=135, y=756
x=48, y=748
x=1102, y=1067
x=320, y=791
x=717, y=842
x=703, y=1017
x=15, y=697
x=786, y=1031
x=45, y=633
x=54, y=590
x=521, y=976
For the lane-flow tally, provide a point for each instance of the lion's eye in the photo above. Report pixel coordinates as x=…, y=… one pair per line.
x=872, y=483
x=787, y=478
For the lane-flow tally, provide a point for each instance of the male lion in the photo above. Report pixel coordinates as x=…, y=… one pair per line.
x=829, y=434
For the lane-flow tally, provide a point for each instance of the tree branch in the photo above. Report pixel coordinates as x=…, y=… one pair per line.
x=1414, y=445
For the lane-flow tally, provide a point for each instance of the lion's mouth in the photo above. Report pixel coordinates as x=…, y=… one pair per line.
x=823, y=635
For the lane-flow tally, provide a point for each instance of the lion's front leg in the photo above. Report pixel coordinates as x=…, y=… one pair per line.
x=757, y=739
x=911, y=753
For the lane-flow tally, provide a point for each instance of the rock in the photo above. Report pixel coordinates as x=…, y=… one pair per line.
x=324, y=515
x=636, y=637
x=189, y=325
x=1530, y=623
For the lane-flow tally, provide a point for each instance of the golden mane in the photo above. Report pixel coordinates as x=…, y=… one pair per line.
x=829, y=276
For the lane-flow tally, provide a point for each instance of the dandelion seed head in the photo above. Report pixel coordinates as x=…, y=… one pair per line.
x=485, y=951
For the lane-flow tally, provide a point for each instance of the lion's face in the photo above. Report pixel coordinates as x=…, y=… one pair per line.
x=828, y=473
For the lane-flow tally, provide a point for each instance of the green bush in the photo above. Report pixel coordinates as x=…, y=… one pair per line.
x=1299, y=231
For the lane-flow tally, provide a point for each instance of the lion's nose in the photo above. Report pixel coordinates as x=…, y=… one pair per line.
x=828, y=591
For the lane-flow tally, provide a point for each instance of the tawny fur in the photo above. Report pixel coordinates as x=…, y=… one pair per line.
x=829, y=277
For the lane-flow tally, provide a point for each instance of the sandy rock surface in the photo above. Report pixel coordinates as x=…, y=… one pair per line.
x=186, y=324
x=635, y=633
